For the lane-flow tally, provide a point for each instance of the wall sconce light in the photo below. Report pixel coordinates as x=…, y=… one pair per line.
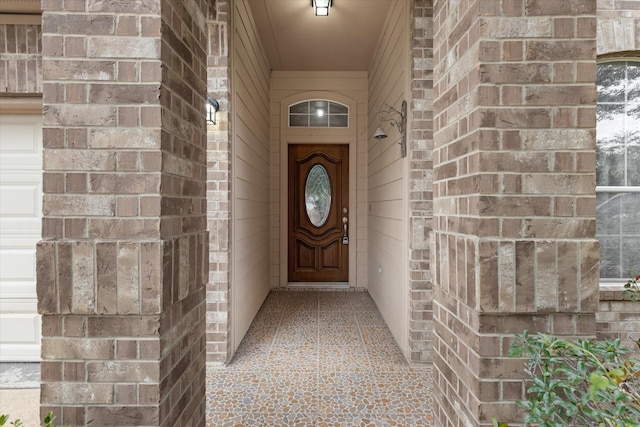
x=397, y=119
x=321, y=7
x=212, y=108
x=380, y=133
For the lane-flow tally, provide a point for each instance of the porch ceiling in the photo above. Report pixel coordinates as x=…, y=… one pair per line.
x=297, y=40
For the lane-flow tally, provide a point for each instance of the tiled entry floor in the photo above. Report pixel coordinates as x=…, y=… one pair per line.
x=319, y=358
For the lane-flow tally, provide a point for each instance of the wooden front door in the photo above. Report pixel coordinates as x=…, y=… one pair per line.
x=318, y=213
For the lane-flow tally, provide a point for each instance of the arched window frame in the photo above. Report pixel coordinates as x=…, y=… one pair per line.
x=612, y=223
x=306, y=114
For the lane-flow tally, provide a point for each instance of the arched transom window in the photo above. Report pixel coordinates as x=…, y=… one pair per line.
x=319, y=113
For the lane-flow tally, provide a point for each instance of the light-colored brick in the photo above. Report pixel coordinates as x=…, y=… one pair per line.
x=507, y=136
x=113, y=183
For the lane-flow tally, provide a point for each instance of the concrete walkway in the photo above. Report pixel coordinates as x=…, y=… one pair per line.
x=20, y=392
x=23, y=404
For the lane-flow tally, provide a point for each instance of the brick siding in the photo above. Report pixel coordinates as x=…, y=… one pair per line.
x=123, y=263
x=514, y=202
x=420, y=175
x=183, y=207
x=618, y=27
x=20, y=59
x=125, y=256
x=218, y=188
x=618, y=318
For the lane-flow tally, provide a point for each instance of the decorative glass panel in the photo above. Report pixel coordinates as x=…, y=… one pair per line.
x=319, y=113
x=301, y=108
x=335, y=108
x=319, y=108
x=338, y=121
x=317, y=195
x=297, y=120
x=319, y=121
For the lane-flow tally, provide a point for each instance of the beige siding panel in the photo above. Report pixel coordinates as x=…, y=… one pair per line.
x=382, y=192
x=250, y=169
x=390, y=247
x=388, y=65
x=385, y=163
x=387, y=187
x=345, y=83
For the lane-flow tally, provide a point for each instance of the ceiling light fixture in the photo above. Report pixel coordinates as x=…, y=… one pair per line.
x=321, y=7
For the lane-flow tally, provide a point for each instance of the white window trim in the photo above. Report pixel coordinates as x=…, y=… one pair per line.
x=616, y=189
x=289, y=114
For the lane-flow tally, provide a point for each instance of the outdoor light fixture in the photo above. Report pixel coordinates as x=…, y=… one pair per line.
x=212, y=108
x=321, y=7
x=380, y=133
x=397, y=119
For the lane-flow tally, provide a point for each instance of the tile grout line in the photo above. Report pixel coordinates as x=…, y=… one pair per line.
x=365, y=388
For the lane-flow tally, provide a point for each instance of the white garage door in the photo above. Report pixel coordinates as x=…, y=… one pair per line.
x=20, y=222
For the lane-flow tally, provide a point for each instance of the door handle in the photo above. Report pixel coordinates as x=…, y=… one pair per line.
x=345, y=227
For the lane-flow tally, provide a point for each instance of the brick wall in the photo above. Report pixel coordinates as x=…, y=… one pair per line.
x=218, y=187
x=184, y=37
x=618, y=318
x=514, y=195
x=20, y=59
x=122, y=267
x=420, y=194
x=618, y=27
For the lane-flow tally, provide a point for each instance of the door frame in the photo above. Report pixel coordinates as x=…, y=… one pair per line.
x=320, y=136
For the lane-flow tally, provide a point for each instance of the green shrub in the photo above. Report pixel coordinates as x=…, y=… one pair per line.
x=632, y=289
x=5, y=418
x=46, y=422
x=581, y=382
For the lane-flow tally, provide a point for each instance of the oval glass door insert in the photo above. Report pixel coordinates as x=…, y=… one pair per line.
x=317, y=195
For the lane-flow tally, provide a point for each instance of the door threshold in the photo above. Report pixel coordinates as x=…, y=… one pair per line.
x=319, y=285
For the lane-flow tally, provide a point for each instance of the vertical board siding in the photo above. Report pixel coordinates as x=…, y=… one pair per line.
x=386, y=184
x=250, y=169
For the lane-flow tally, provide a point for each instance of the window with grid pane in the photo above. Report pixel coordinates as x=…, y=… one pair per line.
x=319, y=113
x=618, y=168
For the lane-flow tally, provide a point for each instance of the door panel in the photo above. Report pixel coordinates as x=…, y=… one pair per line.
x=20, y=222
x=318, y=250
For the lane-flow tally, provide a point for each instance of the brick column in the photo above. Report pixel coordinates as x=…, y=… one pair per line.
x=122, y=264
x=219, y=187
x=514, y=193
x=421, y=183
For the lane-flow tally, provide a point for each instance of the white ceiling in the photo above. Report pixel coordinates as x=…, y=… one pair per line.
x=297, y=40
